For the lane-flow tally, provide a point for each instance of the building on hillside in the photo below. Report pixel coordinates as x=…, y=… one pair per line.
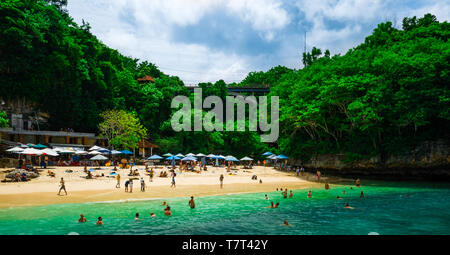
x=146, y=148
x=146, y=79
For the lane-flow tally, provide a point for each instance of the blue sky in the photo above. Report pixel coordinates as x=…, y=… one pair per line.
x=208, y=40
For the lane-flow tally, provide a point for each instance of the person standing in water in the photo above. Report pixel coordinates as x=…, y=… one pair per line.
x=309, y=194
x=82, y=219
x=221, y=180
x=137, y=216
x=284, y=193
x=99, y=221
x=362, y=194
x=118, y=181
x=327, y=186
x=291, y=194
x=192, y=203
x=62, y=186
x=286, y=223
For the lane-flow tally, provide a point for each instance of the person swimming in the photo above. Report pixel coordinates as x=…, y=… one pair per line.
x=286, y=223
x=291, y=194
x=267, y=197
x=271, y=205
x=164, y=203
x=137, y=216
x=348, y=206
x=167, y=211
x=99, y=221
x=82, y=218
x=338, y=197
x=362, y=194
x=152, y=214
x=276, y=205
x=327, y=186
x=309, y=194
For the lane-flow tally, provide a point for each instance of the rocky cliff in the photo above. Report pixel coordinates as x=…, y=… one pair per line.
x=430, y=160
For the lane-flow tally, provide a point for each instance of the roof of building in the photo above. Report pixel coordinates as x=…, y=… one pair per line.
x=146, y=78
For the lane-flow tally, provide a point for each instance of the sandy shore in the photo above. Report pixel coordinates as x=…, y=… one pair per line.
x=43, y=190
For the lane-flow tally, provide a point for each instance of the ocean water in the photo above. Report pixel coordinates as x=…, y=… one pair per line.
x=384, y=210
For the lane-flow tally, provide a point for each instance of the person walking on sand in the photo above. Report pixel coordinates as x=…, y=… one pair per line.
x=142, y=185
x=127, y=182
x=118, y=181
x=192, y=203
x=318, y=176
x=62, y=187
x=221, y=180
x=150, y=174
x=297, y=171
x=173, y=180
x=131, y=186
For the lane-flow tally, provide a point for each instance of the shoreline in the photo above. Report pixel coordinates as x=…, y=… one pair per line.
x=43, y=190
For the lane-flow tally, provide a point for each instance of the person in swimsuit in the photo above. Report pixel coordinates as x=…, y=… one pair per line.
x=131, y=185
x=327, y=186
x=63, y=186
x=137, y=216
x=362, y=194
x=126, y=185
x=118, y=181
x=192, y=203
x=221, y=180
x=82, y=218
x=358, y=182
x=167, y=211
x=348, y=206
x=309, y=194
x=291, y=194
x=152, y=214
x=276, y=205
x=286, y=223
x=267, y=197
x=142, y=184
x=271, y=205
x=99, y=221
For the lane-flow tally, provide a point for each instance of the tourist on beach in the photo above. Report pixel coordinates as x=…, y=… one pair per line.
x=192, y=203
x=318, y=176
x=286, y=223
x=99, y=221
x=309, y=194
x=131, y=185
x=302, y=171
x=127, y=182
x=297, y=171
x=63, y=186
x=221, y=180
x=327, y=186
x=358, y=182
x=260, y=181
x=137, y=216
x=173, y=180
x=291, y=194
x=82, y=218
x=142, y=184
x=167, y=211
x=150, y=174
x=362, y=194
x=118, y=181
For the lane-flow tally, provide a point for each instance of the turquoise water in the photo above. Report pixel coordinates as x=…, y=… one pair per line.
x=384, y=210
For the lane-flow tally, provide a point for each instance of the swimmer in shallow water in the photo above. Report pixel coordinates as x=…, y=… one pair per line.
x=309, y=194
x=137, y=216
x=164, y=203
x=338, y=197
x=82, y=218
x=152, y=214
x=286, y=223
x=327, y=186
x=362, y=194
x=99, y=221
x=291, y=194
x=267, y=197
x=348, y=206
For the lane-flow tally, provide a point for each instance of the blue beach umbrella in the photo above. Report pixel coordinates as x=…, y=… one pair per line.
x=154, y=157
x=189, y=159
x=39, y=146
x=180, y=155
x=173, y=158
x=267, y=153
x=231, y=158
x=281, y=156
x=126, y=152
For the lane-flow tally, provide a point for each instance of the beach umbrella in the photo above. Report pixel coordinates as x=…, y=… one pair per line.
x=23, y=145
x=267, y=153
x=173, y=158
x=155, y=157
x=15, y=149
x=66, y=151
x=49, y=152
x=231, y=158
x=94, y=153
x=180, y=155
x=114, y=152
x=246, y=159
x=81, y=152
x=190, y=154
x=189, y=159
x=99, y=157
x=95, y=148
x=210, y=155
x=281, y=156
x=167, y=155
x=31, y=151
x=39, y=146
x=200, y=155
x=104, y=151
x=127, y=152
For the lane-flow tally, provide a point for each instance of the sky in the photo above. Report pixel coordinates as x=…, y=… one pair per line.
x=209, y=40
